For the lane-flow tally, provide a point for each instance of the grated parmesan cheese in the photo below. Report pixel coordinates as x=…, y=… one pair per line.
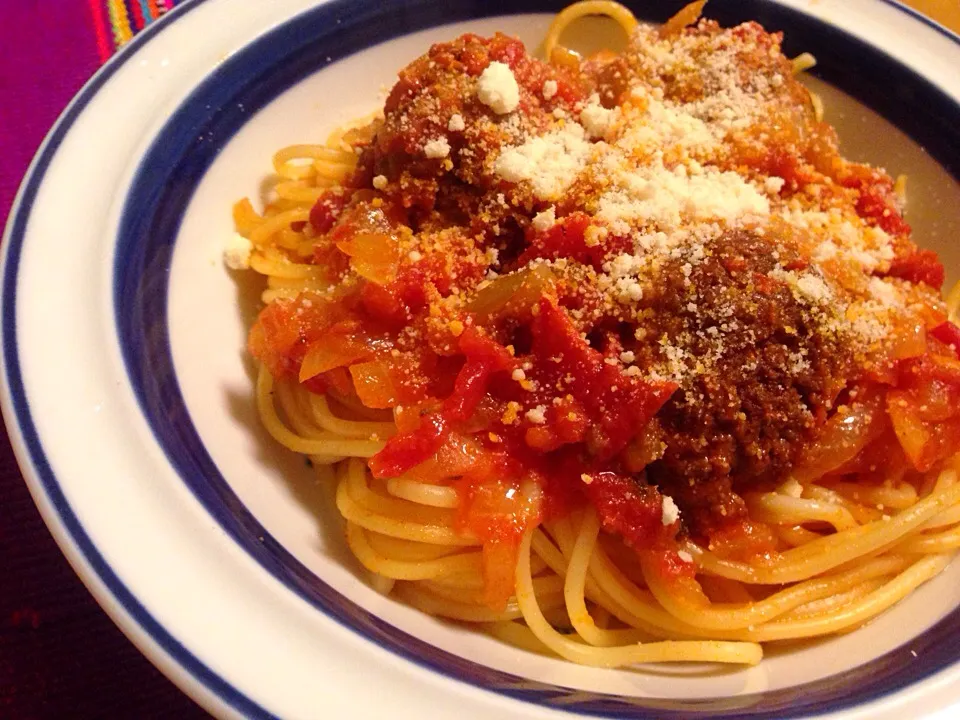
x=885, y=292
x=438, y=148
x=773, y=185
x=629, y=290
x=805, y=286
x=655, y=194
x=595, y=118
x=236, y=254
x=550, y=162
x=814, y=288
x=537, y=415
x=545, y=220
x=594, y=235
x=824, y=251
x=656, y=173
x=497, y=88
x=669, y=512
x=663, y=126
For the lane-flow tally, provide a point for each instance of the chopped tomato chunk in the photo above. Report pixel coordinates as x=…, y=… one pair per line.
x=618, y=406
x=576, y=237
x=923, y=266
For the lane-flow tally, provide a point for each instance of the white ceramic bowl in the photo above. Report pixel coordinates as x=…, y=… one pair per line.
x=218, y=554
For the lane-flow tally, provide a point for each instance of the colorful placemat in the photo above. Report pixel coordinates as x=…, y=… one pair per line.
x=60, y=656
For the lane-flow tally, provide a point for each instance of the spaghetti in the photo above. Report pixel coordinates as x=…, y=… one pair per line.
x=615, y=357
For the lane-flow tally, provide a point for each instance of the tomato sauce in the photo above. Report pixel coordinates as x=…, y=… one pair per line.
x=518, y=363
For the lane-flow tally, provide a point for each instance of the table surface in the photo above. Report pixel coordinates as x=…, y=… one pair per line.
x=60, y=655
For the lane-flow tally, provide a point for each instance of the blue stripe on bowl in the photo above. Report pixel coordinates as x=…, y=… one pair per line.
x=158, y=197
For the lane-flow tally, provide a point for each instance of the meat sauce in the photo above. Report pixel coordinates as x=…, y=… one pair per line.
x=514, y=376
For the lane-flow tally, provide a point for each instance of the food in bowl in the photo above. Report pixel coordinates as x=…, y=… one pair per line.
x=615, y=357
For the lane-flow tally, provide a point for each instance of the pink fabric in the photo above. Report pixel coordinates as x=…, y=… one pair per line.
x=47, y=51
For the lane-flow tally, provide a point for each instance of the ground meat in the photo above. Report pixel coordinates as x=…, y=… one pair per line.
x=441, y=85
x=773, y=374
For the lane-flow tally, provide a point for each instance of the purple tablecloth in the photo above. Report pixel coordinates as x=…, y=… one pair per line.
x=60, y=655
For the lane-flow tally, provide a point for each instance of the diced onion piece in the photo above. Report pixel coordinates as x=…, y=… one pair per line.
x=844, y=436
x=914, y=434
x=332, y=352
x=373, y=256
x=457, y=456
x=565, y=57
x=374, y=384
x=511, y=294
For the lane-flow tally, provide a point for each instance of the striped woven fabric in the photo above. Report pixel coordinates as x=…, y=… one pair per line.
x=43, y=66
x=117, y=21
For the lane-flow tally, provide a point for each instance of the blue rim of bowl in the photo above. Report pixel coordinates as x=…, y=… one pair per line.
x=291, y=52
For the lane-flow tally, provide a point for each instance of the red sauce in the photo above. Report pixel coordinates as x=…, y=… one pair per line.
x=518, y=394
x=629, y=509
